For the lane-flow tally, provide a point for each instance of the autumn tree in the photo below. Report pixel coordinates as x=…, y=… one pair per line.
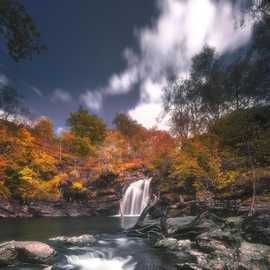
x=78, y=146
x=85, y=125
x=43, y=127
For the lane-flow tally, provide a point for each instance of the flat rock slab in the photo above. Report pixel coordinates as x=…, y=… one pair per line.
x=25, y=252
x=75, y=240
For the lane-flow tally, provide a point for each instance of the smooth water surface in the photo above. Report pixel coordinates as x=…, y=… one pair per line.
x=113, y=250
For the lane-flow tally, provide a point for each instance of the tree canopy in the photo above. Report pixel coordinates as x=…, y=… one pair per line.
x=19, y=31
x=86, y=125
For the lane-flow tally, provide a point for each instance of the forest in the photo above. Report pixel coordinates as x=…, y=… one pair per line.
x=218, y=140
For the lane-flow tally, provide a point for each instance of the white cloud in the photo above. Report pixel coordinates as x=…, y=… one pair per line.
x=182, y=29
x=167, y=46
x=4, y=79
x=122, y=83
x=61, y=95
x=60, y=130
x=92, y=100
x=149, y=110
x=37, y=91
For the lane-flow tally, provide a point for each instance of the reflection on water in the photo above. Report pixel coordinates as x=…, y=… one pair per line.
x=44, y=228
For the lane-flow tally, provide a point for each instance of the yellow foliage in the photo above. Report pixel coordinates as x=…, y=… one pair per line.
x=44, y=162
x=51, y=187
x=4, y=191
x=226, y=179
x=77, y=185
x=27, y=174
x=25, y=137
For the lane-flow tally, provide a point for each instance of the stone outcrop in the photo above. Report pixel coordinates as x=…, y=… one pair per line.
x=209, y=242
x=25, y=252
x=103, y=206
x=85, y=239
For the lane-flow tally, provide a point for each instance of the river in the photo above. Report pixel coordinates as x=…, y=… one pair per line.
x=113, y=250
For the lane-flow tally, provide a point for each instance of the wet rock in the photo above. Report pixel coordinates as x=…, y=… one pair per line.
x=175, y=224
x=188, y=266
x=222, y=235
x=84, y=239
x=234, y=222
x=183, y=244
x=25, y=252
x=8, y=255
x=173, y=244
x=170, y=243
x=254, y=256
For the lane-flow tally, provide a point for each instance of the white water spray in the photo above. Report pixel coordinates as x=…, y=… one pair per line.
x=100, y=262
x=135, y=198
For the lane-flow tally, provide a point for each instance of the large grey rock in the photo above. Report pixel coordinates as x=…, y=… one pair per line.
x=175, y=224
x=25, y=252
x=170, y=243
x=173, y=244
x=75, y=240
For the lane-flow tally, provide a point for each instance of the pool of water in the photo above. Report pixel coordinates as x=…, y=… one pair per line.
x=113, y=250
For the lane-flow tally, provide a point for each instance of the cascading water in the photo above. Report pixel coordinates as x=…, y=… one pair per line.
x=136, y=198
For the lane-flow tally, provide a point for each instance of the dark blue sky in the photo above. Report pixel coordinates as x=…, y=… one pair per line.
x=86, y=42
x=85, y=39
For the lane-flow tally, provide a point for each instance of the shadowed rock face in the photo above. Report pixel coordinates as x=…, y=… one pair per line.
x=25, y=252
x=210, y=242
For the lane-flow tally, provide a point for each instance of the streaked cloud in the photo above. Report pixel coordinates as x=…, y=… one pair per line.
x=60, y=95
x=37, y=91
x=166, y=47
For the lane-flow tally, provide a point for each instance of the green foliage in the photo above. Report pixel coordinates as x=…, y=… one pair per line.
x=86, y=125
x=78, y=146
x=247, y=133
x=18, y=30
x=11, y=103
x=126, y=126
x=216, y=87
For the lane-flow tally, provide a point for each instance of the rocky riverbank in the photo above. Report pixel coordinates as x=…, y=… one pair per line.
x=211, y=242
x=102, y=207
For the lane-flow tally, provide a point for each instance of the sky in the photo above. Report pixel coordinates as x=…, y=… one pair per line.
x=118, y=55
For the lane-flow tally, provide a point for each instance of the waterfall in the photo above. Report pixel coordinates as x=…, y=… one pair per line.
x=136, y=198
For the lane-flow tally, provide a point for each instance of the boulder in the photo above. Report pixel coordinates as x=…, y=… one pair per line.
x=176, y=224
x=84, y=239
x=234, y=222
x=170, y=243
x=25, y=252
